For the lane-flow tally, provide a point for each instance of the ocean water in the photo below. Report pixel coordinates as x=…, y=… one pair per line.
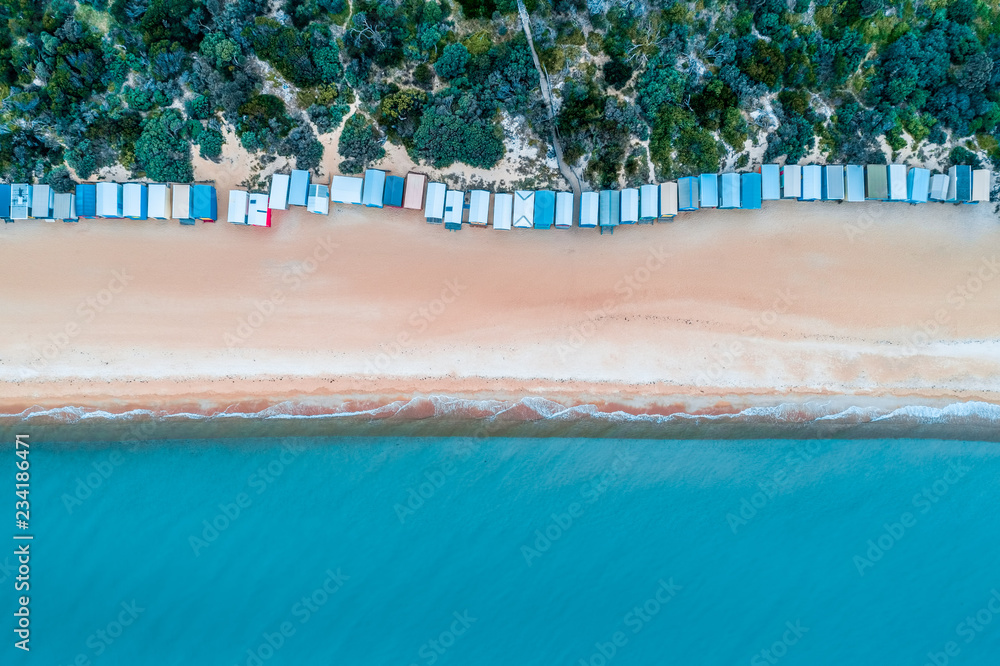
x=452, y=550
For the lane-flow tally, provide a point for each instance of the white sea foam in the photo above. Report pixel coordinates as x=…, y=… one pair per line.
x=537, y=408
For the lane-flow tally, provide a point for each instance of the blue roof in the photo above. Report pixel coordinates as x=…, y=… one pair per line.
x=708, y=183
x=545, y=209
x=833, y=182
x=750, y=191
x=608, y=208
x=299, y=188
x=730, y=190
x=963, y=183
x=393, y=195
x=855, y=190
x=770, y=182
x=374, y=188
x=687, y=193
x=4, y=200
x=918, y=185
x=811, y=182
x=86, y=200
x=203, y=202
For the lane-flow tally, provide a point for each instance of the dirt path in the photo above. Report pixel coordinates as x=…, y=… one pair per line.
x=543, y=84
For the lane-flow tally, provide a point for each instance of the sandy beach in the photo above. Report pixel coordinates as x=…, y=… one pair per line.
x=715, y=311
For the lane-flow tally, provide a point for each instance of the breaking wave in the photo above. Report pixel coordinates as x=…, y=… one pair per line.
x=531, y=409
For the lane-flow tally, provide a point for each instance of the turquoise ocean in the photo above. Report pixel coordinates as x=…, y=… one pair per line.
x=402, y=549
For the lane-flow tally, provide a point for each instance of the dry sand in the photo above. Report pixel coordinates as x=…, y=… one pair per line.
x=716, y=310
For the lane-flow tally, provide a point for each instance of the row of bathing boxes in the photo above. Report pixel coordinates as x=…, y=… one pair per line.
x=138, y=201
x=544, y=209
x=541, y=209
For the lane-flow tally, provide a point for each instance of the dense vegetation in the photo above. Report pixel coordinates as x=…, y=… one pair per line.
x=642, y=88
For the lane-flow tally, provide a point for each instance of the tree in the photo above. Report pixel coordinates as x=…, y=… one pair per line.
x=658, y=85
x=452, y=62
x=400, y=111
x=360, y=144
x=210, y=142
x=263, y=123
x=162, y=151
x=762, y=61
x=167, y=60
x=60, y=180
x=976, y=73
x=960, y=155
x=301, y=143
x=445, y=137
x=87, y=157
x=617, y=73
x=478, y=8
x=327, y=118
x=199, y=108
x=219, y=49
x=307, y=58
x=172, y=21
x=423, y=74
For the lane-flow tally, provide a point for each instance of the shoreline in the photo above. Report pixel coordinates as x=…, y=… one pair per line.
x=476, y=419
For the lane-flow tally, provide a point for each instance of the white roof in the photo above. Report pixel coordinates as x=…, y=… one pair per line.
x=257, y=210
x=981, y=184
x=132, y=199
x=109, y=200
x=434, y=201
x=503, y=207
x=479, y=207
x=158, y=200
x=791, y=181
x=346, y=189
x=238, y=202
x=668, y=199
x=20, y=201
x=564, y=209
x=64, y=206
x=590, y=206
x=630, y=205
x=897, y=182
x=279, y=191
x=454, y=206
x=319, y=199
x=41, y=201
x=939, y=187
x=524, y=209
x=812, y=181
